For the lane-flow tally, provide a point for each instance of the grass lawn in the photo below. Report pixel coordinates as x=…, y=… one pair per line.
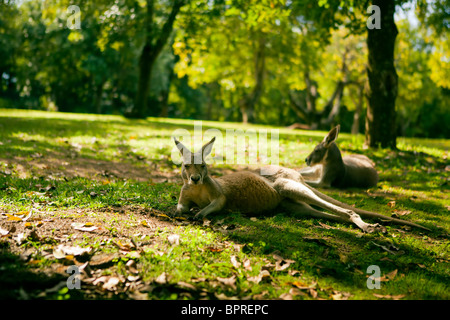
x=95, y=191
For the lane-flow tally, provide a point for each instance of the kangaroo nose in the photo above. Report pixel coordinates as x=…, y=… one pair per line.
x=195, y=179
x=306, y=160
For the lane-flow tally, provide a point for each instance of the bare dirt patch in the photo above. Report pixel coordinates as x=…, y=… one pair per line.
x=92, y=240
x=58, y=168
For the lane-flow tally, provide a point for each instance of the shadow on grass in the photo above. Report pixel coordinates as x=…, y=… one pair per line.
x=339, y=254
x=18, y=281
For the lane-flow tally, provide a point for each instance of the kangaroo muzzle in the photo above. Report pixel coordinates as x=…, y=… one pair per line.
x=196, y=179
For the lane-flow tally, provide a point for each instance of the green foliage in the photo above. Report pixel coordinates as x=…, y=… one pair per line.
x=208, y=69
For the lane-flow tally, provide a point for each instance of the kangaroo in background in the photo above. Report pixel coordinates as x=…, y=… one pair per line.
x=248, y=192
x=329, y=169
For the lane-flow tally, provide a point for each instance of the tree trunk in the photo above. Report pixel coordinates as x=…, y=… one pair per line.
x=247, y=104
x=383, y=80
x=358, y=109
x=150, y=52
x=164, y=99
x=145, y=71
x=98, y=98
x=334, y=105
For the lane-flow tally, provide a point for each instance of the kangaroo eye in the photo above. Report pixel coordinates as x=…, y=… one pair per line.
x=187, y=166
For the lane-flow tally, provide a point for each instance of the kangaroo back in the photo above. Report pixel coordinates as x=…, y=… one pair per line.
x=359, y=172
x=248, y=192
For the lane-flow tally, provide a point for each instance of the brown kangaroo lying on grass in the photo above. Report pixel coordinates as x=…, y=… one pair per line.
x=329, y=169
x=248, y=192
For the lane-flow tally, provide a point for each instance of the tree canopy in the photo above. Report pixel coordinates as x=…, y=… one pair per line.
x=291, y=63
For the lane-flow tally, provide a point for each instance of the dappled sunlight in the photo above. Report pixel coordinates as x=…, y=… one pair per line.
x=111, y=185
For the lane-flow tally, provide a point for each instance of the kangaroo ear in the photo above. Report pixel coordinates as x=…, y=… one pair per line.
x=183, y=150
x=331, y=136
x=207, y=148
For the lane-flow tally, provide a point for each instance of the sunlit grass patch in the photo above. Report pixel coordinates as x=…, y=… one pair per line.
x=117, y=175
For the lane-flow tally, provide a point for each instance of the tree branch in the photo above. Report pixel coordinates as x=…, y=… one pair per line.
x=167, y=28
x=299, y=110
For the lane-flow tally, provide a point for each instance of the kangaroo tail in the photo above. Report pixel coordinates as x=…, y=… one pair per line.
x=365, y=213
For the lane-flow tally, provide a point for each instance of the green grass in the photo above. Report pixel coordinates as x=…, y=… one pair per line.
x=115, y=173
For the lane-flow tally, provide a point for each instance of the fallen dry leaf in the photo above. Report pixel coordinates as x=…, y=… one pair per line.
x=282, y=264
x=260, y=296
x=391, y=204
x=3, y=232
x=231, y=281
x=388, y=296
x=124, y=246
x=131, y=266
x=304, y=286
x=234, y=262
x=63, y=251
x=145, y=223
x=186, y=285
x=325, y=226
x=296, y=292
x=28, y=216
x=247, y=265
x=223, y=296
x=401, y=212
x=340, y=295
x=293, y=272
x=313, y=293
x=257, y=279
x=162, y=215
x=19, y=238
x=133, y=278
x=13, y=217
x=162, y=278
x=286, y=296
x=81, y=226
x=174, y=239
x=111, y=283
x=389, y=276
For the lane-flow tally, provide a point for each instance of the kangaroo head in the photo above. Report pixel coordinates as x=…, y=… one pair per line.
x=193, y=168
x=320, y=152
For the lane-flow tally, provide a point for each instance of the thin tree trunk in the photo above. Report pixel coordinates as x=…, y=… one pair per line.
x=383, y=80
x=358, y=109
x=335, y=104
x=165, y=95
x=98, y=98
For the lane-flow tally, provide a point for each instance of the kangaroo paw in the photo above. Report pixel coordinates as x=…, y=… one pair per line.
x=366, y=227
x=194, y=218
x=376, y=227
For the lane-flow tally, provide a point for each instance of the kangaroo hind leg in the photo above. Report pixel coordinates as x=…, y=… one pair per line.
x=302, y=209
x=299, y=192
